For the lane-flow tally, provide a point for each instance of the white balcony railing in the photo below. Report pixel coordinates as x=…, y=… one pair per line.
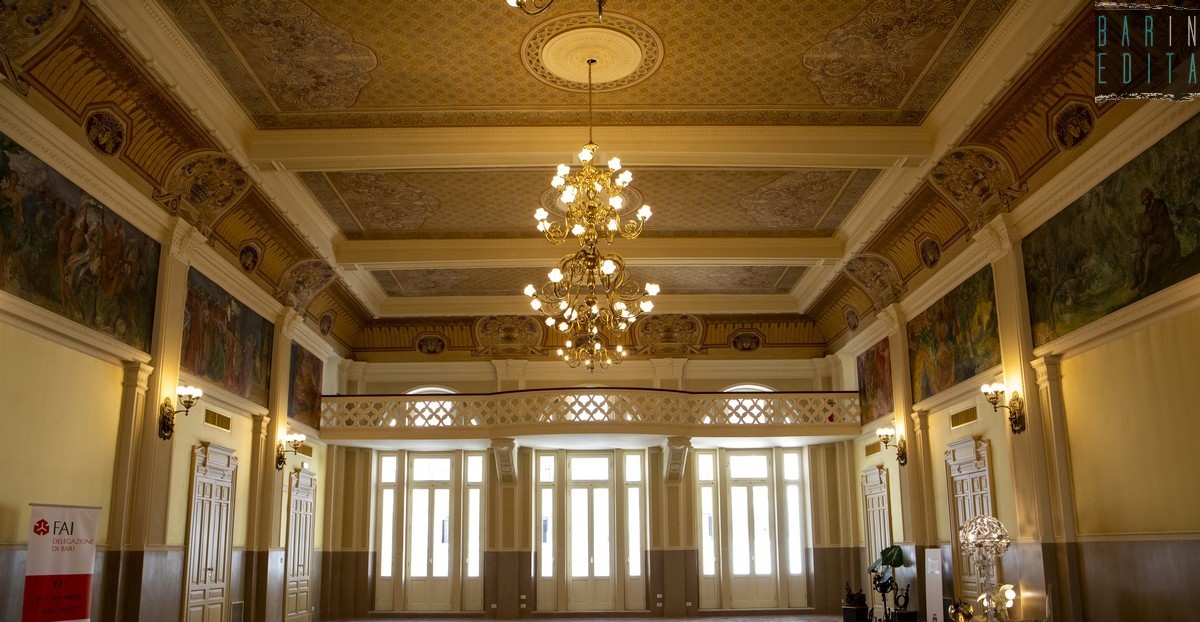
x=584, y=410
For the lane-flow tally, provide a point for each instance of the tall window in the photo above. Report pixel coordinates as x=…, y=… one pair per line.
x=430, y=529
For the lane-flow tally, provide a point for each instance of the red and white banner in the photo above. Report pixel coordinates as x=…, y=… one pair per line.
x=59, y=564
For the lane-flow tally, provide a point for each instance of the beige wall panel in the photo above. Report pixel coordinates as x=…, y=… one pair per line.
x=1142, y=386
x=991, y=427
x=59, y=411
x=190, y=430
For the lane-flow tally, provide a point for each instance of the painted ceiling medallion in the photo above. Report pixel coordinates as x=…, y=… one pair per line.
x=626, y=51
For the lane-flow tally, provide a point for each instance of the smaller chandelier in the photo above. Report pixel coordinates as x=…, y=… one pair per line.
x=586, y=295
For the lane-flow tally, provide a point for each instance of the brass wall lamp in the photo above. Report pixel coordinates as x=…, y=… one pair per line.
x=289, y=445
x=1016, y=405
x=886, y=434
x=188, y=397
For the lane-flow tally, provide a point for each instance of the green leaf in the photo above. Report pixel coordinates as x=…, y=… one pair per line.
x=892, y=556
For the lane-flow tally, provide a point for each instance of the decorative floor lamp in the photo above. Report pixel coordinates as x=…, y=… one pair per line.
x=985, y=540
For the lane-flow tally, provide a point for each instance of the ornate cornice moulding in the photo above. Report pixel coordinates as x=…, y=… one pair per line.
x=58, y=329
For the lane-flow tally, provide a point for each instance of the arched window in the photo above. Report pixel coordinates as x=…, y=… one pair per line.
x=588, y=406
x=746, y=410
x=431, y=413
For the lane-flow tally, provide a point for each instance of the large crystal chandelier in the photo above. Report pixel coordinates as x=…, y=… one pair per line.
x=589, y=296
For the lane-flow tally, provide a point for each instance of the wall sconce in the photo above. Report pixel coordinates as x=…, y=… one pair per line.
x=886, y=434
x=292, y=441
x=188, y=396
x=1016, y=405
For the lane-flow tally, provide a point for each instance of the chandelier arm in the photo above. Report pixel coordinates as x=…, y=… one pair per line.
x=537, y=7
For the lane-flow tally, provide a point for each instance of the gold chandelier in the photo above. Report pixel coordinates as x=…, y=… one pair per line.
x=589, y=296
x=536, y=7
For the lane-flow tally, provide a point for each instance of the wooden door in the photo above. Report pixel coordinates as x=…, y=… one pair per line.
x=967, y=467
x=210, y=534
x=297, y=605
x=878, y=520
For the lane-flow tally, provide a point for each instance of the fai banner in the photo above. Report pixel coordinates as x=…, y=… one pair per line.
x=59, y=564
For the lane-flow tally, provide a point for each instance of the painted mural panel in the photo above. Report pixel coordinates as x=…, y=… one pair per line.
x=1134, y=234
x=63, y=250
x=225, y=342
x=954, y=339
x=875, y=381
x=304, y=390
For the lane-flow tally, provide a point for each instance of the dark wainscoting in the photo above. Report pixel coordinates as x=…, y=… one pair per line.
x=832, y=568
x=265, y=569
x=1138, y=579
x=674, y=573
x=507, y=575
x=347, y=580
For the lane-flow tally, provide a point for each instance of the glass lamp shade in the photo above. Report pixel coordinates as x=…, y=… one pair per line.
x=984, y=537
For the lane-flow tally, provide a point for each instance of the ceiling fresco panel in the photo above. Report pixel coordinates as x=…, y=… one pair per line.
x=511, y=281
x=337, y=63
x=491, y=203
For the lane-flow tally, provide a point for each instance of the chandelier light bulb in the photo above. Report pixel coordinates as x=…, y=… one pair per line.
x=622, y=326
x=620, y=349
x=540, y=214
x=562, y=327
x=555, y=275
x=612, y=224
x=619, y=305
x=646, y=305
x=530, y=291
x=563, y=170
x=535, y=303
x=594, y=330
x=562, y=304
x=595, y=309
x=608, y=267
x=549, y=321
x=616, y=202
x=596, y=345
x=625, y=178
x=569, y=344
x=585, y=155
x=560, y=351
x=513, y=3
x=578, y=230
x=558, y=181
x=652, y=289
x=614, y=163
x=643, y=214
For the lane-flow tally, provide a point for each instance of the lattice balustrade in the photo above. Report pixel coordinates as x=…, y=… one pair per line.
x=624, y=406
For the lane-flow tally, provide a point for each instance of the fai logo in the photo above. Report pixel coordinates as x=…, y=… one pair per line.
x=41, y=527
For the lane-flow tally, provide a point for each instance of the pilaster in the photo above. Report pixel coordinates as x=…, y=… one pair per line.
x=1031, y=489
x=264, y=577
x=510, y=374
x=1068, y=594
x=668, y=373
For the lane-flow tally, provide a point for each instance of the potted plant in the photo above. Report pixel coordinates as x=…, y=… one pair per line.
x=883, y=580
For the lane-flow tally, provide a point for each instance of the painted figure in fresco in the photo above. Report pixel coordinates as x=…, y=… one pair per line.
x=1158, y=246
x=249, y=258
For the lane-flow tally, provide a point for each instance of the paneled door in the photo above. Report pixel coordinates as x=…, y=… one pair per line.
x=967, y=466
x=878, y=519
x=590, y=583
x=297, y=606
x=210, y=534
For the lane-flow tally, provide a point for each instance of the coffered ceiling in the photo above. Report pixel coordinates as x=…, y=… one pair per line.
x=332, y=63
x=801, y=156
